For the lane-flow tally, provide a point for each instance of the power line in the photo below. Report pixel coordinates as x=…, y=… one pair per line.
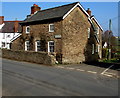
x=111, y=19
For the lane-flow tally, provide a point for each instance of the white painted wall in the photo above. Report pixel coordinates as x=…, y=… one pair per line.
x=6, y=38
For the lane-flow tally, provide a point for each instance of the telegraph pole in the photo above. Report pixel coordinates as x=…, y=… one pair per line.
x=109, y=40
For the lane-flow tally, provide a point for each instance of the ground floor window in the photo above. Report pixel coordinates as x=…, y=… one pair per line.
x=51, y=46
x=93, y=48
x=38, y=45
x=3, y=44
x=27, y=45
x=97, y=48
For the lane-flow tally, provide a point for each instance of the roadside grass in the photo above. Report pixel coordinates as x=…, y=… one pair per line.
x=113, y=60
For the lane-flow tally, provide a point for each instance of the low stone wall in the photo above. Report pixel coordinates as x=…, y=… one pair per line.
x=29, y=56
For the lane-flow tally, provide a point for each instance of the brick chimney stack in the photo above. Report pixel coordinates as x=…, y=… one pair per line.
x=16, y=26
x=1, y=19
x=35, y=8
x=88, y=11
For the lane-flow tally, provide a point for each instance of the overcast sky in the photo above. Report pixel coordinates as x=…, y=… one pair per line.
x=103, y=11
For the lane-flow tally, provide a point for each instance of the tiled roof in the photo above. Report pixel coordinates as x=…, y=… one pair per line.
x=52, y=13
x=9, y=27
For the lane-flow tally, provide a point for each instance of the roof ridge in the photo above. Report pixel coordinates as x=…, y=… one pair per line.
x=58, y=6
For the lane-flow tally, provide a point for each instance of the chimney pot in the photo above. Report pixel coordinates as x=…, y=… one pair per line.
x=88, y=11
x=35, y=8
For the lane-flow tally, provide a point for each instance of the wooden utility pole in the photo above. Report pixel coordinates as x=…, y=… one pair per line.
x=109, y=47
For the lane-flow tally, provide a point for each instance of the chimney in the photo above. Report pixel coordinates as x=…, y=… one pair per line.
x=16, y=26
x=35, y=8
x=1, y=19
x=88, y=11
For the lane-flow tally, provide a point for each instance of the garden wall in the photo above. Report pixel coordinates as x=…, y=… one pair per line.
x=29, y=56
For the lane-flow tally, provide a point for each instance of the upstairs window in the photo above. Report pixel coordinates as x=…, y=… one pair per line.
x=38, y=46
x=97, y=30
x=51, y=46
x=28, y=29
x=8, y=36
x=3, y=35
x=88, y=32
x=27, y=45
x=51, y=27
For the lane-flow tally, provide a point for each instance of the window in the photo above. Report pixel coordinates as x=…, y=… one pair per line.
x=37, y=46
x=51, y=46
x=98, y=48
x=88, y=32
x=3, y=44
x=97, y=30
x=51, y=27
x=93, y=48
x=28, y=29
x=3, y=35
x=8, y=36
x=27, y=45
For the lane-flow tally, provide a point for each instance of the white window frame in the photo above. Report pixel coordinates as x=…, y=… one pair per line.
x=93, y=48
x=27, y=30
x=49, y=46
x=97, y=30
x=26, y=47
x=50, y=27
x=88, y=32
x=98, y=48
x=36, y=45
x=3, y=35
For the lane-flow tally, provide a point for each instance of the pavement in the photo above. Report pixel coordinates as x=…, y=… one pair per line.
x=29, y=79
x=106, y=71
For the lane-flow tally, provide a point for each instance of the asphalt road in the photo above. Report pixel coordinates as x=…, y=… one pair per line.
x=27, y=79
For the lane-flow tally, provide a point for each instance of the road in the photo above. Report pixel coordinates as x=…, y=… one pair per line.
x=28, y=79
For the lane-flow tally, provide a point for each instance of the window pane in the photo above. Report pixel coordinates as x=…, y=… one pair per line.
x=51, y=43
x=27, y=29
x=27, y=45
x=51, y=27
x=38, y=43
x=38, y=46
x=51, y=47
x=88, y=32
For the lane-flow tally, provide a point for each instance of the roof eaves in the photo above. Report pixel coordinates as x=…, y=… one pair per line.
x=24, y=22
x=97, y=22
x=14, y=38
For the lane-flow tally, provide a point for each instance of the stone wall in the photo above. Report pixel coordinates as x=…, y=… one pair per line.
x=75, y=36
x=40, y=31
x=35, y=57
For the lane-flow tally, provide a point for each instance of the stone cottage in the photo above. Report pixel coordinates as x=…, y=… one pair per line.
x=69, y=33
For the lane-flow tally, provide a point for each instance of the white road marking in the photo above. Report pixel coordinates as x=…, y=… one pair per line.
x=61, y=67
x=71, y=68
x=108, y=75
x=92, y=72
x=80, y=70
x=107, y=69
